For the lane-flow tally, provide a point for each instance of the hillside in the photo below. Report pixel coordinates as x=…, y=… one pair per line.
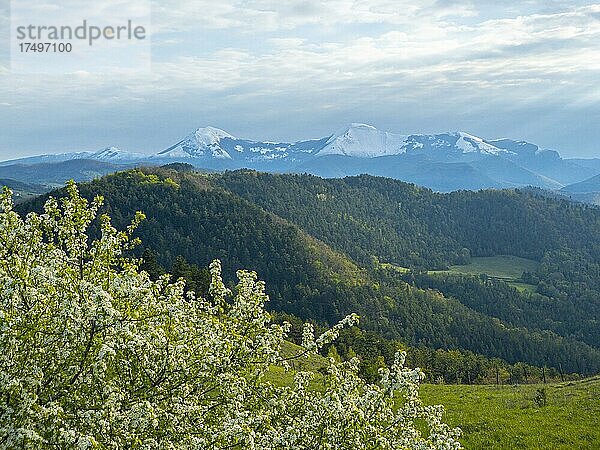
x=587, y=191
x=22, y=191
x=369, y=216
x=315, y=242
x=589, y=185
x=56, y=173
x=383, y=219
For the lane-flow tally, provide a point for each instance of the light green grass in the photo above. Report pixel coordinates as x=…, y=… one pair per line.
x=399, y=269
x=504, y=266
x=523, y=287
x=507, y=417
x=499, y=417
x=282, y=377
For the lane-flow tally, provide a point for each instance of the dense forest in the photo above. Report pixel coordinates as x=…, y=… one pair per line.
x=416, y=227
x=319, y=243
x=498, y=299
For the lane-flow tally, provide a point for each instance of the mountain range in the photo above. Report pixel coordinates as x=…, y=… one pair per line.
x=443, y=162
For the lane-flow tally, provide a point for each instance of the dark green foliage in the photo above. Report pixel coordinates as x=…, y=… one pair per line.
x=369, y=216
x=359, y=216
x=197, y=279
x=377, y=219
x=445, y=366
x=150, y=264
x=179, y=167
x=495, y=298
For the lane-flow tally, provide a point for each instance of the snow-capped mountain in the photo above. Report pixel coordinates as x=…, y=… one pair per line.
x=213, y=144
x=115, y=155
x=363, y=141
x=444, y=161
x=523, y=149
x=210, y=144
x=451, y=144
x=202, y=143
x=108, y=154
x=39, y=159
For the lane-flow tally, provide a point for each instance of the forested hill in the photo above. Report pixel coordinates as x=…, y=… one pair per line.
x=320, y=244
x=415, y=227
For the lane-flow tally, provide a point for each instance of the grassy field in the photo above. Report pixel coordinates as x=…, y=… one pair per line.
x=280, y=376
x=508, y=417
x=501, y=417
x=523, y=287
x=506, y=268
x=498, y=266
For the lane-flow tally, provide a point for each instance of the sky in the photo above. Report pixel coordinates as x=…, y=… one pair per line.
x=296, y=69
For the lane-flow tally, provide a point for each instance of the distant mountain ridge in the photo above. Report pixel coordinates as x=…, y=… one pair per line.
x=214, y=148
x=590, y=185
x=587, y=191
x=443, y=162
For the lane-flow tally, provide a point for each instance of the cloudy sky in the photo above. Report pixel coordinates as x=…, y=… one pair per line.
x=294, y=69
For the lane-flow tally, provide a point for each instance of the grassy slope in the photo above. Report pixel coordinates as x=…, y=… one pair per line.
x=281, y=377
x=500, y=417
x=505, y=267
x=506, y=417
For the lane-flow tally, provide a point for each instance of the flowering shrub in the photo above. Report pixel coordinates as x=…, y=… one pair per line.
x=94, y=354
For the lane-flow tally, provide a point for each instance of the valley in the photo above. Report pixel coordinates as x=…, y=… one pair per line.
x=317, y=243
x=300, y=225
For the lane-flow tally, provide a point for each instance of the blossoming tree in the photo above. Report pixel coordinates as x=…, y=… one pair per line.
x=95, y=354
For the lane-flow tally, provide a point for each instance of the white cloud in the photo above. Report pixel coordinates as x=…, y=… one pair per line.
x=272, y=15
x=539, y=47
x=345, y=55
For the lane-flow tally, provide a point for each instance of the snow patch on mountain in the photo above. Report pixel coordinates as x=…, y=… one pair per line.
x=115, y=154
x=204, y=142
x=469, y=143
x=363, y=141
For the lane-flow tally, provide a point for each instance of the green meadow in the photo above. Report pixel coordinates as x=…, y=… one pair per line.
x=529, y=416
x=505, y=267
x=517, y=417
